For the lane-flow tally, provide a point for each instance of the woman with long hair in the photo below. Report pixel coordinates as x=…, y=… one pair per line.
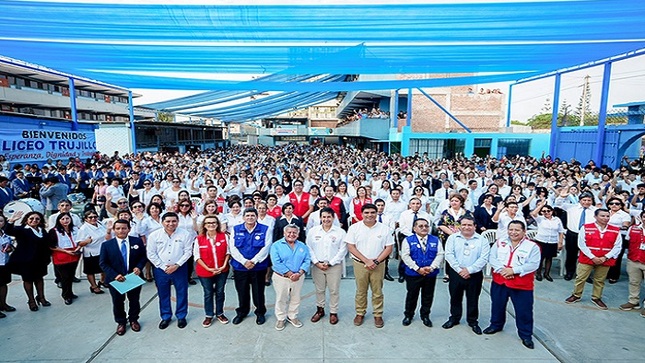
x=66, y=252
x=212, y=254
x=31, y=255
x=6, y=247
x=357, y=203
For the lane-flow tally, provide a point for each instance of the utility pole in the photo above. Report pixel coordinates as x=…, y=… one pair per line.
x=585, y=90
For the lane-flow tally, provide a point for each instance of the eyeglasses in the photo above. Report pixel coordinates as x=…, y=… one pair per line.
x=176, y=181
x=184, y=205
x=614, y=203
x=121, y=202
x=33, y=219
x=210, y=223
x=137, y=206
x=147, y=183
x=92, y=217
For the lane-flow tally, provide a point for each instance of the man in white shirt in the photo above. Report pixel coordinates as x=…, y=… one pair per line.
x=369, y=243
x=577, y=216
x=168, y=250
x=405, y=223
x=395, y=205
x=327, y=248
x=467, y=254
x=444, y=192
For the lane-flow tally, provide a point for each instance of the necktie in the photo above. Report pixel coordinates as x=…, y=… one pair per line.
x=582, y=218
x=410, y=185
x=483, y=182
x=416, y=216
x=423, y=244
x=446, y=193
x=380, y=218
x=124, y=254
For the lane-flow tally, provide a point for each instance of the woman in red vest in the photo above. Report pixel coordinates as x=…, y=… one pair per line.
x=66, y=252
x=212, y=254
x=635, y=265
x=361, y=199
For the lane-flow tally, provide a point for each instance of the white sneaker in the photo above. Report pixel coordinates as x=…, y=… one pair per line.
x=279, y=325
x=295, y=322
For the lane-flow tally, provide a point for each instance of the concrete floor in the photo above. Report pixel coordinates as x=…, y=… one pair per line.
x=84, y=331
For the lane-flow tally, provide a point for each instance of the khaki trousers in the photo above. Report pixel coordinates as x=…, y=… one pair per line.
x=635, y=272
x=366, y=279
x=582, y=273
x=327, y=279
x=287, y=296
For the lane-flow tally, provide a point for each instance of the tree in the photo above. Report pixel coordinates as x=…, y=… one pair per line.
x=165, y=117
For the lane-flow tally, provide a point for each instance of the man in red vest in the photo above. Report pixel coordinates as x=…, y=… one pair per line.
x=599, y=244
x=635, y=266
x=514, y=261
x=302, y=206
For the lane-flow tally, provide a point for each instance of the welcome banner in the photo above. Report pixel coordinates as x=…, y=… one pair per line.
x=37, y=145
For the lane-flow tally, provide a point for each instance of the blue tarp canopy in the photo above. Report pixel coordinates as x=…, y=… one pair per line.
x=144, y=44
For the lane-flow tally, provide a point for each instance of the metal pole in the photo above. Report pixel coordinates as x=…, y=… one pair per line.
x=508, y=107
x=132, y=130
x=554, y=117
x=394, y=114
x=408, y=119
x=72, y=104
x=602, y=115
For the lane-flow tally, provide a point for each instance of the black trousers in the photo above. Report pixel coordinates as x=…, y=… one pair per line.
x=253, y=281
x=571, y=246
x=66, y=274
x=473, y=288
x=415, y=285
x=118, y=305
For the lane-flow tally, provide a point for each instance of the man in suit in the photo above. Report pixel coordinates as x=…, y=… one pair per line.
x=53, y=191
x=6, y=194
x=114, y=254
x=20, y=185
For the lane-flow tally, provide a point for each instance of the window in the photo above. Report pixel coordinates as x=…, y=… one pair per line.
x=437, y=148
x=513, y=147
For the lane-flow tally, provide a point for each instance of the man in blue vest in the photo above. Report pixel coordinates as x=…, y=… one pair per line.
x=250, y=252
x=422, y=255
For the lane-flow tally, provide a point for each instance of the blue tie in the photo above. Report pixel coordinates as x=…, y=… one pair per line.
x=124, y=254
x=380, y=218
x=416, y=216
x=582, y=218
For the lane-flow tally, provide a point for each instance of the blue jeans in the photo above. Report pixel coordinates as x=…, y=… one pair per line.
x=214, y=285
x=179, y=279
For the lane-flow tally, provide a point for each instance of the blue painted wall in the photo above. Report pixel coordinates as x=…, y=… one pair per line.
x=539, y=142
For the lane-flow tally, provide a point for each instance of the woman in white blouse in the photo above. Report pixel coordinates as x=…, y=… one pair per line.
x=91, y=252
x=549, y=237
x=621, y=219
x=66, y=251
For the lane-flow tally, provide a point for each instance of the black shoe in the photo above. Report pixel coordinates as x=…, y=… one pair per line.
x=446, y=280
x=3, y=315
x=449, y=324
x=59, y=285
x=181, y=323
x=568, y=277
x=490, y=330
x=74, y=296
x=407, y=321
x=388, y=277
x=548, y=278
x=260, y=320
x=476, y=329
x=164, y=324
x=68, y=301
x=589, y=280
x=401, y=279
x=528, y=343
x=76, y=279
x=237, y=319
x=426, y=321
x=192, y=282
x=538, y=277
x=613, y=281
x=267, y=283
x=8, y=308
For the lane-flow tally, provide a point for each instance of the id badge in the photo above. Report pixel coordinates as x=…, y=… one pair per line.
x=466, y=251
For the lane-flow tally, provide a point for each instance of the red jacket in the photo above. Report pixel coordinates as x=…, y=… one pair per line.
x=522, y=251
x=299, y=207
x=206, y=254
x=636, y=250
x=599, y=246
